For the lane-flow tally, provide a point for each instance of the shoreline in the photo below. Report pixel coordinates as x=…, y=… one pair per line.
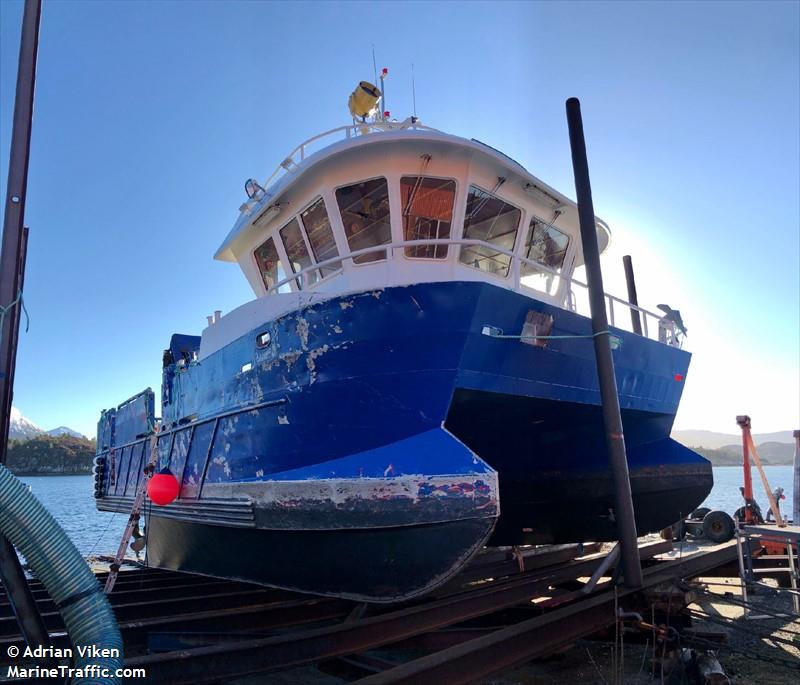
x=35, y=474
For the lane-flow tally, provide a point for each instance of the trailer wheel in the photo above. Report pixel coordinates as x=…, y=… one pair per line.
x=718, y=526
x=699, y=514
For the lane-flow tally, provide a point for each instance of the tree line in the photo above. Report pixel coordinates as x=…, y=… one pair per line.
x=50, y=454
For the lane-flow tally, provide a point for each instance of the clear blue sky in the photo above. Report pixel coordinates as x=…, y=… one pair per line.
x=150, y=116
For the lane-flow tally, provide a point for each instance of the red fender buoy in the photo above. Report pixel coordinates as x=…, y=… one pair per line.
x=163, y=487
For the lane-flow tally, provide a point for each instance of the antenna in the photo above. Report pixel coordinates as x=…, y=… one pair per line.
x=375, y=71
x=413, y=91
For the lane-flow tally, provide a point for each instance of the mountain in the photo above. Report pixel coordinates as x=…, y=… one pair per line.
x=712, y=440
x=63, y=430
x=22, y=428
x=773, y=452
x=723, y=449
x=45, y=454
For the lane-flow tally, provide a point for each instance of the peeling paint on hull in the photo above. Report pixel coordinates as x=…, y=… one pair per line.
x=387, y=415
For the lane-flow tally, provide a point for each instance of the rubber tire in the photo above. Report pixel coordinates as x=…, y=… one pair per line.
x=718, y=526
x=699, y=514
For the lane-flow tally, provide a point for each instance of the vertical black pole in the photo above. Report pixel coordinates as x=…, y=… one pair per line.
x=12, y=264
x=626, y=523
x=796, y=480
x=633, y=298
x=16, y=316
x=14, y=215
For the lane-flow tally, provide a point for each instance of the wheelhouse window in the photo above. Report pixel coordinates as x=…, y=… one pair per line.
x=427, y=213
x=320, y=236
x=492, y=220
x=270, y=265
x=545, y=245
x=297, y=252
x=365, y=214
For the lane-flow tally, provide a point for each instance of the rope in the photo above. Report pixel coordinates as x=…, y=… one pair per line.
x=7, y=308
x=102, y=535
x=551, y=337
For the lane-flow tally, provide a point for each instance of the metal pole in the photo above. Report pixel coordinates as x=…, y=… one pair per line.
x=16, y=315
x=14, y=217
x=636, y=321
x=744, y=423
x=12, y=265
x=796, y=485
x=615, y=441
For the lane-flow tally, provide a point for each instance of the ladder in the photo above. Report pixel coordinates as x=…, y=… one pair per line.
x=133, y=519
x=790, y=537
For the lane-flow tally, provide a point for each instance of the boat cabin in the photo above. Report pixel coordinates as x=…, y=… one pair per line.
x=392, y=204
x=396, y=203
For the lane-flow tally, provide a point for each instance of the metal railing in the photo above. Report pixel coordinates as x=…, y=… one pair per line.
x=298, y=155
x=665, y=329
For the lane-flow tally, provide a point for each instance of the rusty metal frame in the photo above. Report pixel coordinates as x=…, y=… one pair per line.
x=154, y=615
x=221, y=662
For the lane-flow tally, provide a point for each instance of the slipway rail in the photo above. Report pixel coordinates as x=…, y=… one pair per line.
x=192, y=629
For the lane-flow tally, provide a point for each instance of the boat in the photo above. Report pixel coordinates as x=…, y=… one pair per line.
x=414, y=379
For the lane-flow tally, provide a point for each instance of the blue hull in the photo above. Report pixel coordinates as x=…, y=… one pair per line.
x=391, y=409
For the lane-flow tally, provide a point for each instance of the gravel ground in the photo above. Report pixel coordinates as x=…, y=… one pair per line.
x=749, y=659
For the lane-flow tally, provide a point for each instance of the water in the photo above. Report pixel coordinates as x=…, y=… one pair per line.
x=69, y=499
x=71, y=502
x=727, y=480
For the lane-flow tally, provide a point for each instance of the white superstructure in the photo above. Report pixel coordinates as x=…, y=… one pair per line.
x=393, y=203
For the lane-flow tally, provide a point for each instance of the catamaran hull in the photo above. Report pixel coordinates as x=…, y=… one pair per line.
x=366, y=450
x=372, y=565
x=558, y=488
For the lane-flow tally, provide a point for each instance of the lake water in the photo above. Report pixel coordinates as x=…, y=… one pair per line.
x=69, y=499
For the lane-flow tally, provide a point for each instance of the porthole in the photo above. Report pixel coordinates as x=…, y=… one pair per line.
x=263, y=340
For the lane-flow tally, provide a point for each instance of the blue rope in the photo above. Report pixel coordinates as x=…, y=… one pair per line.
x=5, y=310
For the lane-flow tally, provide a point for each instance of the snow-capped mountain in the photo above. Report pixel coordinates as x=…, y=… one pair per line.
x=22, y=428
x=63, y=430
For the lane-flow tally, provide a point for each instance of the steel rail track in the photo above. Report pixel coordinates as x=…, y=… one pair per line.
x=220, y=663
x=209, y=631
x=515, y=645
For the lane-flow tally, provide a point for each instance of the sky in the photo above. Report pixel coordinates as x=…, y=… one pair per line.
x=149, y=116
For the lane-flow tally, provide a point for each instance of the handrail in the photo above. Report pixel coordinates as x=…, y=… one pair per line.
x=350, y=131
x=668, y=327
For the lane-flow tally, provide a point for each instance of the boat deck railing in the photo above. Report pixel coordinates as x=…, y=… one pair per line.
x=299, y=154
x=574, y=295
